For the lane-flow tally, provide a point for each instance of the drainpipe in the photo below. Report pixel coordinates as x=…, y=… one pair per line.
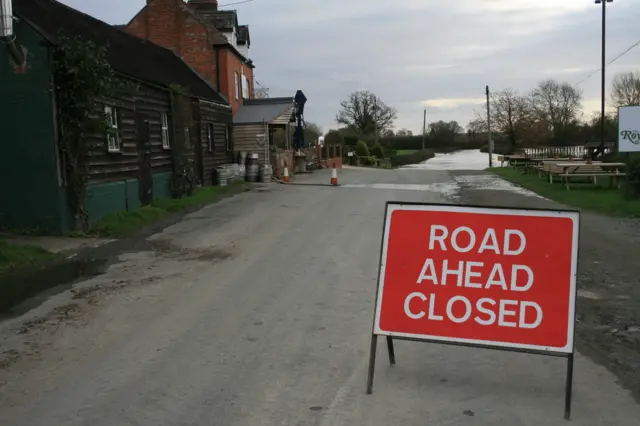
x=6, y=33
x=16, y=54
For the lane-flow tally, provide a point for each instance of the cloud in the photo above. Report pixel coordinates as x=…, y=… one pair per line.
x=418, y=54
x=452, y=103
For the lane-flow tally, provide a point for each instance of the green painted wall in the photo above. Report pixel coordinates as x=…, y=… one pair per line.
x=108, y=198
x=161, y=185
x=30, y=195
x=104, y=199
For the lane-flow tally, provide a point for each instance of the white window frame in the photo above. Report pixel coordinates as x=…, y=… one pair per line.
x=113, y=136
x=210, y=137
x=164, y=123
x=237, y=79
x=245, y=87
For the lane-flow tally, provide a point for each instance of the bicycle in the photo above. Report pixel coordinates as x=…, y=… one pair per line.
x=182, y=181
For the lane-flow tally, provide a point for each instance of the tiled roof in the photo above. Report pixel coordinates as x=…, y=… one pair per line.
x=224, y=20
x=127, y=54
x=253, y=111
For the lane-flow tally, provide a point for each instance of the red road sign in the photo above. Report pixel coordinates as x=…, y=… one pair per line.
x=479, y=276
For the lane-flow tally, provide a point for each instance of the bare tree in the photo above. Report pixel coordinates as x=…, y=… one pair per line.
x=510, y=115
x=476, y=126
x=626, y=89
x=556, y=104
x=364, y=111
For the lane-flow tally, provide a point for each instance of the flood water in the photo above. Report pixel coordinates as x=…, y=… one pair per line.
x=470, y=160
x=460, y=160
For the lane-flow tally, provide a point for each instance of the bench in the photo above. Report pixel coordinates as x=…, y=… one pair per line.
x=592, y=171
x=549, y=169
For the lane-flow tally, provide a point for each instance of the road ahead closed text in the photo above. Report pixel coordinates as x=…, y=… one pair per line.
x=484, y=276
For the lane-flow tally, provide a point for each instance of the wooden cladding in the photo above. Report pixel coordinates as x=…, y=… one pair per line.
x=170, y=123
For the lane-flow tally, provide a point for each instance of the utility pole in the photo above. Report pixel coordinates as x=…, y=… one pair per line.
x=604, y=64
x=424, y=129
x=489, y=129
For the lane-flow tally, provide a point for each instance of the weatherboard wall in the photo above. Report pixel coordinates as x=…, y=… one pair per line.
x=215, y=152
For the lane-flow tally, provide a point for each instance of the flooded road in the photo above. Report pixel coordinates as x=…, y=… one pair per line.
x=466, y=170
x=460, y=160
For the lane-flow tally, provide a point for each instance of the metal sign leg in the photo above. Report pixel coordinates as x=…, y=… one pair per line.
x=372, y=363
x=568, y=388
x=392, y=353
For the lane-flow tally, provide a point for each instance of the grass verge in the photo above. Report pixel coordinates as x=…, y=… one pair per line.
x=597, y=198
x=125, y=223
x=14, y=256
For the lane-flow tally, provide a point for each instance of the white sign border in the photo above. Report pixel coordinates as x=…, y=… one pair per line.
x=448, y=208
x=637, y=148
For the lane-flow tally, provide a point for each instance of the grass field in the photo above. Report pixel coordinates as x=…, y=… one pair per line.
x=407, y=151
x=597, y=198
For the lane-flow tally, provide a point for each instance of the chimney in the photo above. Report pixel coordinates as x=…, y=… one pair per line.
x=213, y=4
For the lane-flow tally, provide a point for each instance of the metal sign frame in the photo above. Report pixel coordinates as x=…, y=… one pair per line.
x=569, y=355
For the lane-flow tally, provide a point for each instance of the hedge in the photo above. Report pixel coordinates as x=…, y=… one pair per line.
x=415, y=158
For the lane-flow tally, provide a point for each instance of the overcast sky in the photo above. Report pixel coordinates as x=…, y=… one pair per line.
x=417, y=54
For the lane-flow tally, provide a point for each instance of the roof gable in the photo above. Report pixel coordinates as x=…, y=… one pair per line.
x=126, y=53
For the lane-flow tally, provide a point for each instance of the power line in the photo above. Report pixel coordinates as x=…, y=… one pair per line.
x=591, y=74
x=238, y=2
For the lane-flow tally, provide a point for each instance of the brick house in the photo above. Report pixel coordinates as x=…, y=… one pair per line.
x=208, y=39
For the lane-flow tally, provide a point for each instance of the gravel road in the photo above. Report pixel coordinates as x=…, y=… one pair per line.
x=258, y=310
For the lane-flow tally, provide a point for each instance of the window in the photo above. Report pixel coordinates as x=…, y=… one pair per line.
x=210, y=138
x=227, y=138
x=237, y=78
x=164, y=121
x=245, y=87
x=113, y=133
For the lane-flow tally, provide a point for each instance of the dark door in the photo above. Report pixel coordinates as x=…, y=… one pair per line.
x=196, y=143
x=144, y=159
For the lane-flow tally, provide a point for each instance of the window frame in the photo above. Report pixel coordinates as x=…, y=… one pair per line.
x=114, y=142
x=238, y=85
x=164, y=130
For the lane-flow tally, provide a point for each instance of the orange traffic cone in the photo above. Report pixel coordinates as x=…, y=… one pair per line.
x=334, y=175
x=285, y=177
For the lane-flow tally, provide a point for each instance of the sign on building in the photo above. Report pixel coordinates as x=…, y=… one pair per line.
x=496, y=278
x=629, y=129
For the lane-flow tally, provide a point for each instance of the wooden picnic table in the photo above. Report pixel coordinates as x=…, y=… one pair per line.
x=537, y=163
x=593, y=170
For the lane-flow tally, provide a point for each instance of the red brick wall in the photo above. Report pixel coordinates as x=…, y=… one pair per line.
x=164, y=23
x=196, y=50
x=230, y=64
